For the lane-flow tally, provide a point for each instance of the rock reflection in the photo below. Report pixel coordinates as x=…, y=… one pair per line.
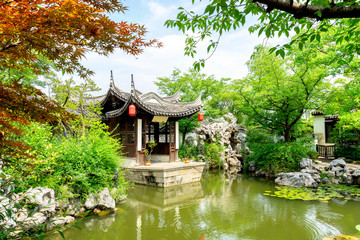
x=100, y=224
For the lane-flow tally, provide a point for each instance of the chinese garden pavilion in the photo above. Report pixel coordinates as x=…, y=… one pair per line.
x=138, y=117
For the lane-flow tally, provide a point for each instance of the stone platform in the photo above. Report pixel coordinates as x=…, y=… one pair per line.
x=165, y=174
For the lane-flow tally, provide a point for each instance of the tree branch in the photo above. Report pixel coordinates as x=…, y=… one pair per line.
x=311, y=11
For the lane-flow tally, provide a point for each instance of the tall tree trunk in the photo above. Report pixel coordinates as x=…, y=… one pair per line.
x=287, y=135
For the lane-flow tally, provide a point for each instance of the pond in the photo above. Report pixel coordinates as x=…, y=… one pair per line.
x=219, y=208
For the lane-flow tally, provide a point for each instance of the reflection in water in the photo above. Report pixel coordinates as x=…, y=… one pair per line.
x=138, y=227
x=100, y=224
x=166, y=198
x=218, y=208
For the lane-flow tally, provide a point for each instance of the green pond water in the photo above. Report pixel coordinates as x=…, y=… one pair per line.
x=219, y=208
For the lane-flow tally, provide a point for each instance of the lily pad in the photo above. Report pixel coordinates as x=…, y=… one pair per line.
x=358, y=228
x=324, y=193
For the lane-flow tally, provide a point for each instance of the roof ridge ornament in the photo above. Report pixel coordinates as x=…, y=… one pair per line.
x=112, y=84
x=132, y=85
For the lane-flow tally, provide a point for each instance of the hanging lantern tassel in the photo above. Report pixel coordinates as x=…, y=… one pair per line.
x=201, y=116
x=132, y=110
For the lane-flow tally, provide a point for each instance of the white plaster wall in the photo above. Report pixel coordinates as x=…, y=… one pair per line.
x=319, y=129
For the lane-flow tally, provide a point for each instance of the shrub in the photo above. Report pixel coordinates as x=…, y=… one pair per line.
x=212, y=153
x=83, y=164
x=209, y=152
x=188, y=151
x=346, y=135
x=347, y=151
x=280, y=157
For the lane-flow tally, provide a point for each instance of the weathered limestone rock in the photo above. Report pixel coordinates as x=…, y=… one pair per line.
x=346, y=179
x=338, y=171
x=232, y=165
x=6, y=187
x=43, y=197
x=262, y=173
x=296, y=179
x=338, y=163
x=22, y=215
x=74, y=207
x=221, y=129
x=314, y=174
x=36, y=219
x=102, y=200
x=59, y=221
x=251, y=166
x=7, y=206
x=306, y=163
x=225, y=131
x=192, y=138
x=40, y=206
x=356, y=173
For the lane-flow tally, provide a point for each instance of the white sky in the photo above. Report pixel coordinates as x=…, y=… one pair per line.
x=228, y=61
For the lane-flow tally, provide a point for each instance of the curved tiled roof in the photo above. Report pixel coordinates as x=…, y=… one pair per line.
x=327, y=117
x=150, y=102
x=315, y=113
x=332, y=117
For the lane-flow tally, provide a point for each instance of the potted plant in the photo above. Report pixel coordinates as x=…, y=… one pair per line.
x=150, y=144
x=187, y=157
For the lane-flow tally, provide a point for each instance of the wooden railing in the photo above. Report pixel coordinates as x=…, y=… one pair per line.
x=325, y=151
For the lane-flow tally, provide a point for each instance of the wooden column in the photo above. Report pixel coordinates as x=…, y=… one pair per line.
x=172, y=142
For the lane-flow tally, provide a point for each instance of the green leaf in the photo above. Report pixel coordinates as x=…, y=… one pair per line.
x=209, y=9
x=33, y=211
x=268, y=32
x=61, y=234
x=196, y=66
x=339, y=40
x=301, y=45
x=271, y=50
x=312, y=38
x=280, y=52
x=261, y=30
x=286, y=33
x=319, y=13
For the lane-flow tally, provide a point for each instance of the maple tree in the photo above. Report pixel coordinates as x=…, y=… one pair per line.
x=40, y=35
x=20, y=104
x=63, y=31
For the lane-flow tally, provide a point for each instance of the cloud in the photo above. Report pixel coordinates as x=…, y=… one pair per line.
x=228, y=61
x=159, y=11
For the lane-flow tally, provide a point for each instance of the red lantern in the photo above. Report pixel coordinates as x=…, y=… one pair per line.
x=132, y=110
x=201, y=116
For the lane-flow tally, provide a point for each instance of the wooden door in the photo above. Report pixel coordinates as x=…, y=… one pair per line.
x=127, y=133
